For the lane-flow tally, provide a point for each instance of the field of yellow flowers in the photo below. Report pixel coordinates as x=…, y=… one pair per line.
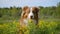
x=43, y=27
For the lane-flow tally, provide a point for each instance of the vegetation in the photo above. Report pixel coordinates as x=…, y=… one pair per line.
x=44, y=27
x=49, y=21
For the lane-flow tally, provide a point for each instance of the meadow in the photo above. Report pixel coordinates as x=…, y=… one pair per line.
x=44, y=27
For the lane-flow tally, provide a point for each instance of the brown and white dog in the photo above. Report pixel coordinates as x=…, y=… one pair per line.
x=29, y=13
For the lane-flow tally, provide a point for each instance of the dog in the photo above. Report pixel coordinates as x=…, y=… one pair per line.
x=29, y=13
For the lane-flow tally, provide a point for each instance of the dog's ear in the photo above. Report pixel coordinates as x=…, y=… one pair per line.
x=36, y=9
x=25, y=8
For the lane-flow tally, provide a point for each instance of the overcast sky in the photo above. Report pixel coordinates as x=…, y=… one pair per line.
x=19, y=3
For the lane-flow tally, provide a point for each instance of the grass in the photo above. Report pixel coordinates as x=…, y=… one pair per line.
x=44, y=27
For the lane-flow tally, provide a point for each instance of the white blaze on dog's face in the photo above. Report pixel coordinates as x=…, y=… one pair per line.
x=31, y=15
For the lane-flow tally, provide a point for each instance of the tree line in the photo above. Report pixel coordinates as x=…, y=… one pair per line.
x=44, y=12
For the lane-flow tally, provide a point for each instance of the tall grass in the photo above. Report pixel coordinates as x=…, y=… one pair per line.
x=43, y=27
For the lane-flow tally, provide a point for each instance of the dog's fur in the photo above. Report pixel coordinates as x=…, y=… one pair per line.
x=29, y=13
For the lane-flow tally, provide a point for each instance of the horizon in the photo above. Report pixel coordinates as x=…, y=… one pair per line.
x=21, y=3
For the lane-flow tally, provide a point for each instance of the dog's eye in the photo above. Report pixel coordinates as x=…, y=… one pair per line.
x=29, y=12
x=34, y=11
x=23, y=13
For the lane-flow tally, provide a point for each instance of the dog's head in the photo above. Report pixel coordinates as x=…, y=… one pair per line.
x=30, y=12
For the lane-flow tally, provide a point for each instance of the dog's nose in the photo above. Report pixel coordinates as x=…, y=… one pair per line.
x=31, y=17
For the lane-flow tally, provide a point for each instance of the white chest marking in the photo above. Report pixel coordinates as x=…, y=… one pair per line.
x=26, y=21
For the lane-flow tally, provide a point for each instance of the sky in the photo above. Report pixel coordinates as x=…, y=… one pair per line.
x=21, y=3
